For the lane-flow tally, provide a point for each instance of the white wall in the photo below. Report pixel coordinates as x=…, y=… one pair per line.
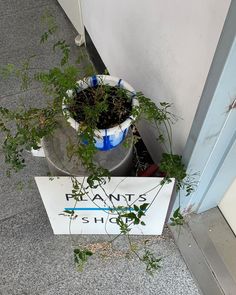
x=163, y=48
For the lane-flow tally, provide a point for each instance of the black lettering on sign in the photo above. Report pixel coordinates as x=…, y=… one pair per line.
x=113, y=197
x=142, y=198
x=98, y=220
x=97, y=197
x=127, y=220
x=82, y=199
x=112, y=220
x=85, y=220
x=129, y=196
x=69, y=196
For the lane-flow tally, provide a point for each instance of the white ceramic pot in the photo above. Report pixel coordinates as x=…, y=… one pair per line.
x=105, y=139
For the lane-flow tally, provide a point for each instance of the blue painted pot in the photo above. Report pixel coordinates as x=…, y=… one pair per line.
x=105, y=139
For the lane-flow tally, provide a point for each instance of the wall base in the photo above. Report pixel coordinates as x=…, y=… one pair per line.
x=208, y=247
x=93, y=54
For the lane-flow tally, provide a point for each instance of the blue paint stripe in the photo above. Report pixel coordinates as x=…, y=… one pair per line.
x=124, y=133
x=97, y=209
x=106, y=141
x=119, y=83
x=94, y=81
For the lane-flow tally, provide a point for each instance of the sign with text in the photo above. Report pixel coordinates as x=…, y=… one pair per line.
x=94, y=211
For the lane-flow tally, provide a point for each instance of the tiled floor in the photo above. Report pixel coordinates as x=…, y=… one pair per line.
x=32, y=259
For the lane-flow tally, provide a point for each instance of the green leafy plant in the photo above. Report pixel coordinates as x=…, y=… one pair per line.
x=81, y=256
x=151, y=262
x=136, y=215
x=177, y=218
x=25, y=127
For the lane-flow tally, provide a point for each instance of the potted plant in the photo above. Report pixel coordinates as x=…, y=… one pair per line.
x=100, y=108
x=113, y=97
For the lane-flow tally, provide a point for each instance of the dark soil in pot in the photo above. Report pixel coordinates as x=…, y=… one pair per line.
x=108, y=106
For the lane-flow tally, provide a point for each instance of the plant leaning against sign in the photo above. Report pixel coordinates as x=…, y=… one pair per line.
x=31, y=124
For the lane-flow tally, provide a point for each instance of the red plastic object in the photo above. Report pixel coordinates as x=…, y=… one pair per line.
x=149, y=171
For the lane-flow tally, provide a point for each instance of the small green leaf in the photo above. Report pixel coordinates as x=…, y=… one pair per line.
x=140, y=214
x=81, y=257
x=144, y=206
x=176, y=212
x=136, y=208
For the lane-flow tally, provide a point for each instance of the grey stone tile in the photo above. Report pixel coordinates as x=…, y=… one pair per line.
x=116, y=276
x=36, y=262
x=22, y=31
x=19, y=192
x=30, y=98
x=40, y=63
x=19, y=39
x=12, y=85
x=32, y=258
x=15, y=6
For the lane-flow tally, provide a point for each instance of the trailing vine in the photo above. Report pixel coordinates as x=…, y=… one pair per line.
x=24, y=128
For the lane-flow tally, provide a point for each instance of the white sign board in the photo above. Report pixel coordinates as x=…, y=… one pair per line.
x=94, y=214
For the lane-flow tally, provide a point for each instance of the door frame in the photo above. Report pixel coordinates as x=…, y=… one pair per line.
x=212, y=135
